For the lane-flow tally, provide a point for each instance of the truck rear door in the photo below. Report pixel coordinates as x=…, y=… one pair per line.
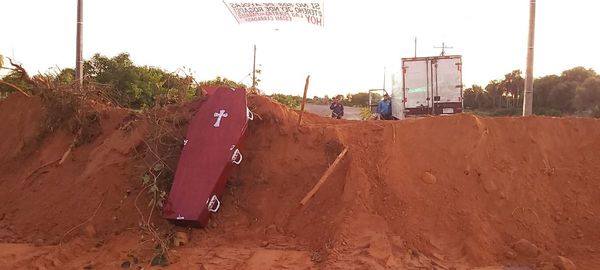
x=447, y=85
x=416, y=94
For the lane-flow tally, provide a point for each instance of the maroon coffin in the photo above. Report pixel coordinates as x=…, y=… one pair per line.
x=210, y=90
x=210, y=149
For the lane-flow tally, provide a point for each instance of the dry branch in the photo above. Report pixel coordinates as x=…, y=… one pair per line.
x=24, y=74
x=16, y=87
x=330, y=170
x=39, y=168
x=83, y=223
x=66, y=154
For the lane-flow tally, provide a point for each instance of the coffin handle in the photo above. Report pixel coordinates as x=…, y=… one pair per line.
x=214, y=204
x=249, y=114
x=236, y=158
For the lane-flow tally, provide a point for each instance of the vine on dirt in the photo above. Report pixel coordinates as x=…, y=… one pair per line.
x=159, y=154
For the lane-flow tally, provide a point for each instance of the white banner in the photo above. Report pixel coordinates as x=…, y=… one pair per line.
x=305, y=12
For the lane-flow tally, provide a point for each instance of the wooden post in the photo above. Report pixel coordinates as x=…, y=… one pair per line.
x=303, y=100
x=314, y=190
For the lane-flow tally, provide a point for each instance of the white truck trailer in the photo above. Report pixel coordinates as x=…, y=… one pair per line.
x=430, y=85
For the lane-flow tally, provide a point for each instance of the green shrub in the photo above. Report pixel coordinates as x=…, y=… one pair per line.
x=288, y=100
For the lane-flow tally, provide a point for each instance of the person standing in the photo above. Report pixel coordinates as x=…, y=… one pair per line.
x=384, y=108
x=337, y=108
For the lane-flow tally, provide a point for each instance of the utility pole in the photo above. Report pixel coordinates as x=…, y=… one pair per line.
x=528, y=97
x=254, y=71
x=415, y=47
x=79, y=44
x=384, y=79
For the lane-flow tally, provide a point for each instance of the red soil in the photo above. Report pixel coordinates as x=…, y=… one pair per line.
x=453, y=192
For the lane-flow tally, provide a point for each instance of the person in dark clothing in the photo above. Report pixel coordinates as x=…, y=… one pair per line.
x=337, y=108
x=384, y=108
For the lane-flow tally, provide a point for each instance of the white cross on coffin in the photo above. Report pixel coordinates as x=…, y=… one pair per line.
x=219, y=116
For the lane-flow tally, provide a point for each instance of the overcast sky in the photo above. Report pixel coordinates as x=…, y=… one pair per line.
x=349, y=54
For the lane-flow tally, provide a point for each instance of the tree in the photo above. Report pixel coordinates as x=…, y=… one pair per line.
x=475, y=98
x=349, y=98
x=118, y=71
x=561, y=97
x=493, y=89
x=15, y=78
x=587, y=95
x=541, y=91
x=218, y=81
x=577, y=74
x=469, y=98
x=288, y=100
x=66, y=75
x=135, y=86
x=512, y=86
x=320, y=100
x=359, y=99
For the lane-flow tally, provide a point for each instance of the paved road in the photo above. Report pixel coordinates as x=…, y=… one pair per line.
x=350, y=113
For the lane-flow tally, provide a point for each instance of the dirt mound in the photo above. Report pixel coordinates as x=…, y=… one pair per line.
x=42, y=199
x=20, y=125
x=442, y=192
x=436, y=193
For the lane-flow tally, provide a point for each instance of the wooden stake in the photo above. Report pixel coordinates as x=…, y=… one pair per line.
x=314, y=190
x=303, y=100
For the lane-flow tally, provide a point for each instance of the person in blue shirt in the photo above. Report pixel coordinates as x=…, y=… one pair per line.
x=337, y=108
x=384, y=108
